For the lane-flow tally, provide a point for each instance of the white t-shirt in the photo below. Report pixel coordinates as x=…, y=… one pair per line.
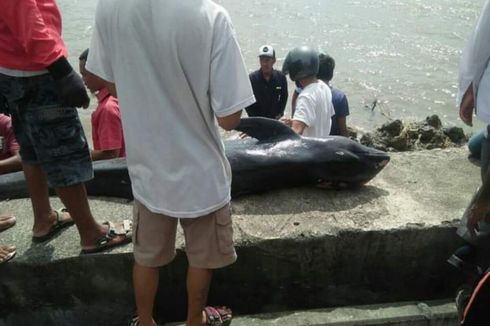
x=474, y=66
x=176, y=64
x=315, y=109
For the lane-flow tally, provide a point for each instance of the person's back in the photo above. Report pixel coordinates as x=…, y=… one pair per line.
x=314, y=108
x=175, y=49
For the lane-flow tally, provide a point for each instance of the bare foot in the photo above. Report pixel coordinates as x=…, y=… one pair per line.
x=6, y=221
x=6, y=253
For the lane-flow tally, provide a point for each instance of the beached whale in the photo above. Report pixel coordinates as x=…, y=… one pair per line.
x=273, y=157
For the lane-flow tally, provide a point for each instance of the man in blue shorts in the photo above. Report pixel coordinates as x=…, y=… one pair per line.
x=41, y=91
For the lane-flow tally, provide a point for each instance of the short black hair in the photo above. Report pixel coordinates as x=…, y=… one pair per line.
x=83, y=56
x=327, y=66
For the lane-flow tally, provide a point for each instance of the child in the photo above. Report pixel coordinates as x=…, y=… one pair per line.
x=314, y=108
x=107, y=133
x=9, y=148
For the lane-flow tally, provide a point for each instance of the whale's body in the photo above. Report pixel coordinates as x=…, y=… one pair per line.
x=274, y=157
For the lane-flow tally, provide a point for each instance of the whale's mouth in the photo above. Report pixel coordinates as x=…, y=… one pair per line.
x=382, y=164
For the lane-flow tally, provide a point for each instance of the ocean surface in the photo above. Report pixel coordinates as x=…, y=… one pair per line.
x=401, y=55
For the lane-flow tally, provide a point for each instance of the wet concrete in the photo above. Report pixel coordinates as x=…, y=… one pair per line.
x=298, y=249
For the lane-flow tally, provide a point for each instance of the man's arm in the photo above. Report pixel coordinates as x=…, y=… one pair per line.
x=293, y=102
x=467, y=106
x=11, y=164
x=341, y=113
x=98, y=155
x=230, y=122
x=284, y=96
x=342, y=123
x=298, y=126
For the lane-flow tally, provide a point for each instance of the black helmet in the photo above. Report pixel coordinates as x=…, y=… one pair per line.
x=300, y=63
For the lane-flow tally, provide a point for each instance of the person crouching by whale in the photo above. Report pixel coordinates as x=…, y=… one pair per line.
x=270, y=87
x=173, y=85
x=9, y=148
x=314, y=108
x=107, y=131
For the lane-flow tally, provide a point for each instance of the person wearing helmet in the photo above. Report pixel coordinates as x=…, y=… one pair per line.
x=339, y=99
x=314, y=108
x=270, y=87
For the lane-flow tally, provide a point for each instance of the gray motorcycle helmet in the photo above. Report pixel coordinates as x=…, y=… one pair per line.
x=300, y=63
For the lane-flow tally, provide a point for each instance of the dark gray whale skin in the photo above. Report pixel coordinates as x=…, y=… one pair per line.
x=274, y=157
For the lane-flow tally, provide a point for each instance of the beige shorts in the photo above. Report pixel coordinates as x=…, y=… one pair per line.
x=208, y=239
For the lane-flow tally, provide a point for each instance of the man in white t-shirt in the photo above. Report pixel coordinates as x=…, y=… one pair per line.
x=314, y=108
x=178, y=69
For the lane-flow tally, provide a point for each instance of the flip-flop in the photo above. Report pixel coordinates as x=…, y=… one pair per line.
x=56, y=228
x=11, y=219
x=218, y=316
x=8, y=257
x=113, y=238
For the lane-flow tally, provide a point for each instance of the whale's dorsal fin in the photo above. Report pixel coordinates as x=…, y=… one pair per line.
x=265, y=129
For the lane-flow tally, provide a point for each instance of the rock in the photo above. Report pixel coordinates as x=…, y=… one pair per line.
x=455, y=134
x=434, y=121
x=400, y=143
x=426, y=134
x=393, y=128
x=439, y=140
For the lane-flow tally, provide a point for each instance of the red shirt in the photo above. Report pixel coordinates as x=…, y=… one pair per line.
x=30, y=34
x=9, y=144
x=107, y=130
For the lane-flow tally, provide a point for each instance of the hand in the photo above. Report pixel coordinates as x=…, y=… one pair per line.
x=288, y=122
x=243, y=135
x=477, y=213
x=467, y=106
x=71, y=89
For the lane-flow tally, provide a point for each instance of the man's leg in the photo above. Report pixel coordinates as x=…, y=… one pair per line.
x=75, y=200
x=154, y=246
x=145, y=281
x=209, y=245
x=44, y=217
x=198, y=281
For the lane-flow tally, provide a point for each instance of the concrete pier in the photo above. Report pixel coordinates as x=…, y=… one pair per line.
x=298, y=249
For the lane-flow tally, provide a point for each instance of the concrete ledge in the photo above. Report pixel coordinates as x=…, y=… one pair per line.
x=432, y=313
x=298, y=249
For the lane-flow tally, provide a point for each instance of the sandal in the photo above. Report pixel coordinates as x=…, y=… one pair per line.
x=9, y=256
x=56, y=228
x=115, y=236
x=217, y=316
x=136, y=322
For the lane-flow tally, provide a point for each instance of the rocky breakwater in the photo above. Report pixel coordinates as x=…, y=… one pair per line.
x=398, y=136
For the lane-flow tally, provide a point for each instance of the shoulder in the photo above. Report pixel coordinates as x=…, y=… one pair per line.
x=110, y=107
x=254, y=74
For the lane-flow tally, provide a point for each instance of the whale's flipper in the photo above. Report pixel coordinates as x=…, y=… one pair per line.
x=265, y=129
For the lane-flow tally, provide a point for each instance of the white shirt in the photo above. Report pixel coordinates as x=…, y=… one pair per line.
x=176, y=64
x=315, y=109
x=474, y=66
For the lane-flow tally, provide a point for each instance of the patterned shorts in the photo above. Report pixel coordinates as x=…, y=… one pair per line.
x=49, y=135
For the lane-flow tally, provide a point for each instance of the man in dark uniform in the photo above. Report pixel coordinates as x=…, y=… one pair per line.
x=270, y=87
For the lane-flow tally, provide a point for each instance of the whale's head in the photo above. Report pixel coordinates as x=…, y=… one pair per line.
x=344, y=162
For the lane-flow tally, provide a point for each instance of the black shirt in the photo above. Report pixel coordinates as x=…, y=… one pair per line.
x=271, y=96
